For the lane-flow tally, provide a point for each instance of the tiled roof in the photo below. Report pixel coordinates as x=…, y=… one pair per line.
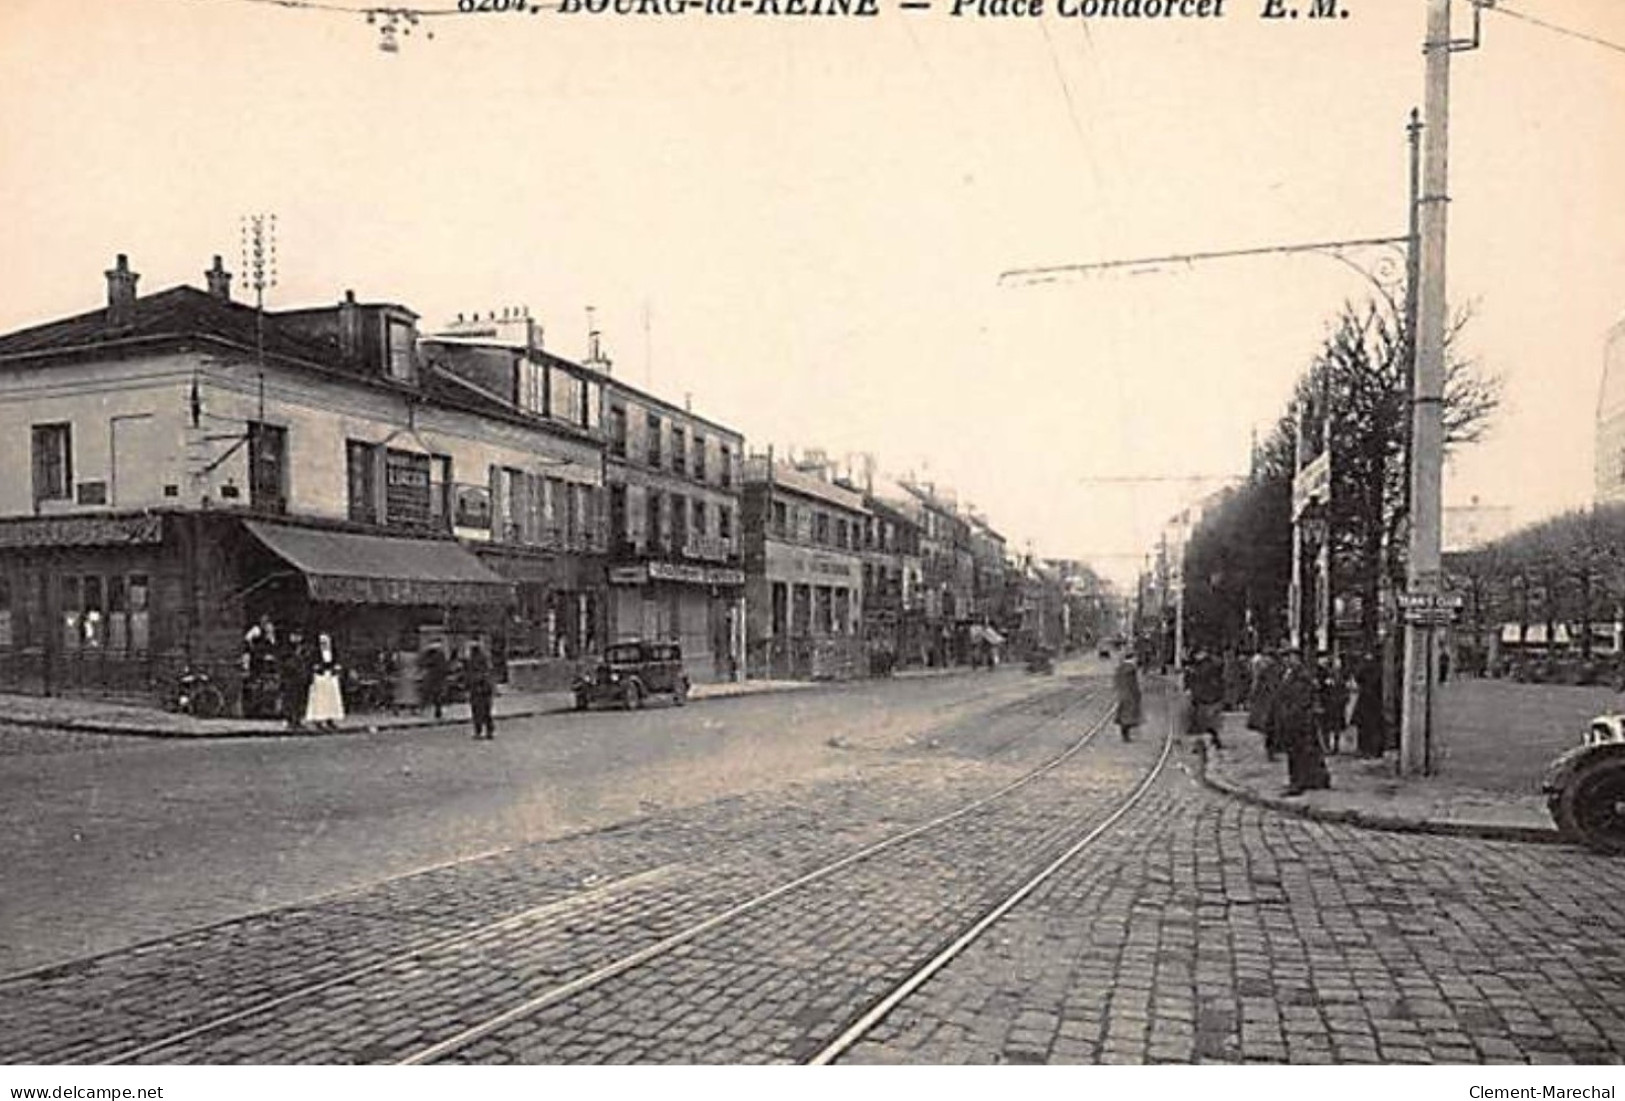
x=174, y=313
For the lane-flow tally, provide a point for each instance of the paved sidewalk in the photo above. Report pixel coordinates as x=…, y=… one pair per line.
x=1368, y=793
x=101, y=717
x=105, y=717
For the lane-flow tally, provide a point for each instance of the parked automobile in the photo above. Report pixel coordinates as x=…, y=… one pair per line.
x=631, y=672
x=1585, y=787
x=1041, y=659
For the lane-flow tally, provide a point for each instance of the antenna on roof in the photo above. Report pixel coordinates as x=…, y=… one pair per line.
x=259, y=265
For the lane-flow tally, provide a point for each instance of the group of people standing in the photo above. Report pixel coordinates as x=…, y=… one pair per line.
x=1302, y=708
x=288, y=677
x=1295, y=706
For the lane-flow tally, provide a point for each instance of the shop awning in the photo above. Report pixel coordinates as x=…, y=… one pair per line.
x=347, y=568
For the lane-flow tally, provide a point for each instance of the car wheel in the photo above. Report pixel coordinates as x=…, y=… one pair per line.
x=632, y=696
x=680, y=697
x=1591, y=806
x=581, y=702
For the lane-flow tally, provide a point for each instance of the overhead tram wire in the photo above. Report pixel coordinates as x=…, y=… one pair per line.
x=1555, y=28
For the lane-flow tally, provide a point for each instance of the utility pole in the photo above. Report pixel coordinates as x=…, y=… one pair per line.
x=1417, y=752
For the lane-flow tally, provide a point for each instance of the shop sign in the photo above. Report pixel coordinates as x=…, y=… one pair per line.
x=794, y=562
x=628, y=575
x=695, y=575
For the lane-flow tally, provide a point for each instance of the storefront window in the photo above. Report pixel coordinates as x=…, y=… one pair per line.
x=94, y=620
x=118, y=615
x=70, y=614
x=138, y=612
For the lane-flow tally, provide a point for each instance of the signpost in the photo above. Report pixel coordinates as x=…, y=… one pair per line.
x=1435, y=609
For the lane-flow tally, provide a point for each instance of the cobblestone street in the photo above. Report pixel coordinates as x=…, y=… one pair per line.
x=1197, y=928
x=1217, y=931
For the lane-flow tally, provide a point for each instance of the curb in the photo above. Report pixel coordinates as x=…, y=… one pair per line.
x=93, y=726
x=1388, y=823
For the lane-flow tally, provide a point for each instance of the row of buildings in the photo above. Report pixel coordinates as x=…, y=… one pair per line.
x=197, y=464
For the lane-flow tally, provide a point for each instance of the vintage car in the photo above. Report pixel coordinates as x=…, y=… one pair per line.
x=1040, y=659
x=1585, y=787
x=631, y=672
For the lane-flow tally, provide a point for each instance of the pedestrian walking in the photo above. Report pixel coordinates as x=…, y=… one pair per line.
x=435, y=668
x=1205, y=682
x=1126, y=684
x=1297, y=733
x=324, y=706
x=295, y=667
x=477, y=676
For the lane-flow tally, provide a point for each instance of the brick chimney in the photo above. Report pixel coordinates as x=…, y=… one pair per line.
x=349, y=328
x=121, y=294
x=219, y=281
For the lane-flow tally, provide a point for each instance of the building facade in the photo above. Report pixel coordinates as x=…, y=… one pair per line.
x=893, y=580
x=538, y=521
x=674, y=528
x=948, y=575
x=196, y=467
x=804, y=564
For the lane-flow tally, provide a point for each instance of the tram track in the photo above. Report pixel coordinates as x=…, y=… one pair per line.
x=619, y=899
x=745, y=969
x=650, y=953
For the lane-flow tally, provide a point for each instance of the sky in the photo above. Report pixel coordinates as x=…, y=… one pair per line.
x=800, y=223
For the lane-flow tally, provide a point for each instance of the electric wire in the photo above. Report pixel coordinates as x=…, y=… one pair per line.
x=1557, y=28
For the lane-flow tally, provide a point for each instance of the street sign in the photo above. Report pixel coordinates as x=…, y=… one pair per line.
x=1437, y=617
x=1450, y=602
x=1312, y=484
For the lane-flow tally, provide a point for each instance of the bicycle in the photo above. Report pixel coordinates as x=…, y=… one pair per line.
x=196, y=694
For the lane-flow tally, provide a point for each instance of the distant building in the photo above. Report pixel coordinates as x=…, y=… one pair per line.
x=893, y=607
x=1468, y=526
x=675, y=532
x=948, y=573
x=1610, y=458
x=804, y=563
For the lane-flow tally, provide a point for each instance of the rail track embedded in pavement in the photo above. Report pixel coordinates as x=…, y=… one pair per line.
x=629, y=963
x=177, y=1045
x=918, y=978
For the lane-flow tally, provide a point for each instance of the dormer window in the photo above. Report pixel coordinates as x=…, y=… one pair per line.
x=402, y=353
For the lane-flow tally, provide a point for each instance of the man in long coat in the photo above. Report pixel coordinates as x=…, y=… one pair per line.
x=1297, y=731
x=1126, y=684
x=1205, y=683
x=1370, y=724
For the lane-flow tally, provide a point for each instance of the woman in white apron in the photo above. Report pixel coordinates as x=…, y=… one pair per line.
x=325, y=705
